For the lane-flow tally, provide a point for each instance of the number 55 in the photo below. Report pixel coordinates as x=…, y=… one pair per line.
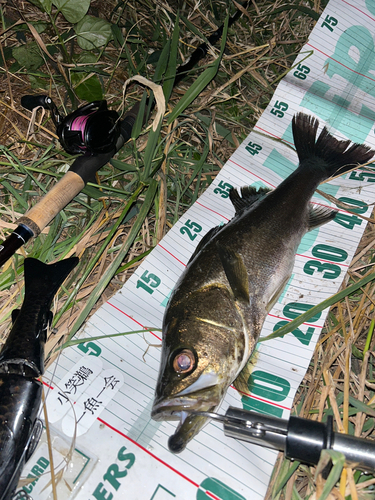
x=279, y=108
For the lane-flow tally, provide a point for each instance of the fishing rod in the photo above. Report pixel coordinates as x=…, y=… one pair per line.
x=201, y=51
x=94, y=132
x=299, y=438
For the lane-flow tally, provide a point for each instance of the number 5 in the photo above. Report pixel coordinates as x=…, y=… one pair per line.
x=90, y=348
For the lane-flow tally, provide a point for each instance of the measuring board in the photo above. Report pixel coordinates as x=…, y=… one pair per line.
x=120, y=452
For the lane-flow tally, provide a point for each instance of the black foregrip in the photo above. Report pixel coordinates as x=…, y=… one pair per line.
x=87, y=166
x=199, y=53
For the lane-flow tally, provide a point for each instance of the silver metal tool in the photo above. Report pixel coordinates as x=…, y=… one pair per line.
x=299, y=438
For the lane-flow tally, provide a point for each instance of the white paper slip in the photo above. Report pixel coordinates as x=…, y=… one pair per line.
x=75, y=464
x=332, y=79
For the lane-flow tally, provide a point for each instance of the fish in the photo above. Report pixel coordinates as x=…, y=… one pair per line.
x=21, y=364
x=217, y=308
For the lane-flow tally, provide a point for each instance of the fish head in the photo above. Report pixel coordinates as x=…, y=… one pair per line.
x=200, y=359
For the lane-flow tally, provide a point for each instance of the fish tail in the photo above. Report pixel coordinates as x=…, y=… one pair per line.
x=23, y=351
x=336, y=157
x=45, y=279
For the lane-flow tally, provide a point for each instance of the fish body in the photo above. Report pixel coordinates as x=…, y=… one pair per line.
x=21, y=363
x=217, y=309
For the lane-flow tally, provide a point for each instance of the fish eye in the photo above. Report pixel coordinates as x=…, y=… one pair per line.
x=184, y=361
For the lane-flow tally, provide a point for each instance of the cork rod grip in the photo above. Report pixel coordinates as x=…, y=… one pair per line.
x=55, y=200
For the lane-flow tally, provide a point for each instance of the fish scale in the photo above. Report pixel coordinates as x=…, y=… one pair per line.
x=217, y=309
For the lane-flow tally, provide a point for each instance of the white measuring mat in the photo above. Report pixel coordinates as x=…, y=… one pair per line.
x=109, y=384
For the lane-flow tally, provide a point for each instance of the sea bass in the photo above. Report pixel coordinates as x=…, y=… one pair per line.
x=21, y=363
x=216, y=311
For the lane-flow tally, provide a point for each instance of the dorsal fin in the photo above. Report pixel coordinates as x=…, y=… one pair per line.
x=249, y=196
x=15, y=314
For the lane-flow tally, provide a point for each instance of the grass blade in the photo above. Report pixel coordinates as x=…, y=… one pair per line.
x=112, y=268
x=73, y=342
x=170, y=73
x=338, y=460
x=295, y=323
x=286, y=472
x=98, y=254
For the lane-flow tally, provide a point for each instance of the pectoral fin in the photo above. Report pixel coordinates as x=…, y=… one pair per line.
x=277, y=294
x=320, y=215
x=240, y=383
x=235, y=271
x=253, y=319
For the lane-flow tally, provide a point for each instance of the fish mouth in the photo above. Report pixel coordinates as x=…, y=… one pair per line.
x=178, y=409
x=182, y=409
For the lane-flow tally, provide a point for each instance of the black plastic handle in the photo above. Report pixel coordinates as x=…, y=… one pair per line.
x=33, y=101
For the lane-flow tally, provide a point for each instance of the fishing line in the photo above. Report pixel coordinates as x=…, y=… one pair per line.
x=49, y=445
x=22, y=495
x=65, y=460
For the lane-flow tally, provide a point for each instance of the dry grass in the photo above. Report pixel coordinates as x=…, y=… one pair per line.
x=340, y=377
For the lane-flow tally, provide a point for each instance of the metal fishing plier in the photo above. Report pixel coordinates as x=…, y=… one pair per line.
x=299, y=438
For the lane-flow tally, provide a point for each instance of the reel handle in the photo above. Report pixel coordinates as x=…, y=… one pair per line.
x=34, y=101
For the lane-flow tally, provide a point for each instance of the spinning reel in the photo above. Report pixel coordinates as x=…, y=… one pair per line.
x=90, y=130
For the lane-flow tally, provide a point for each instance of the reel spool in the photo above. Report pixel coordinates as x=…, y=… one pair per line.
x=90, y=130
